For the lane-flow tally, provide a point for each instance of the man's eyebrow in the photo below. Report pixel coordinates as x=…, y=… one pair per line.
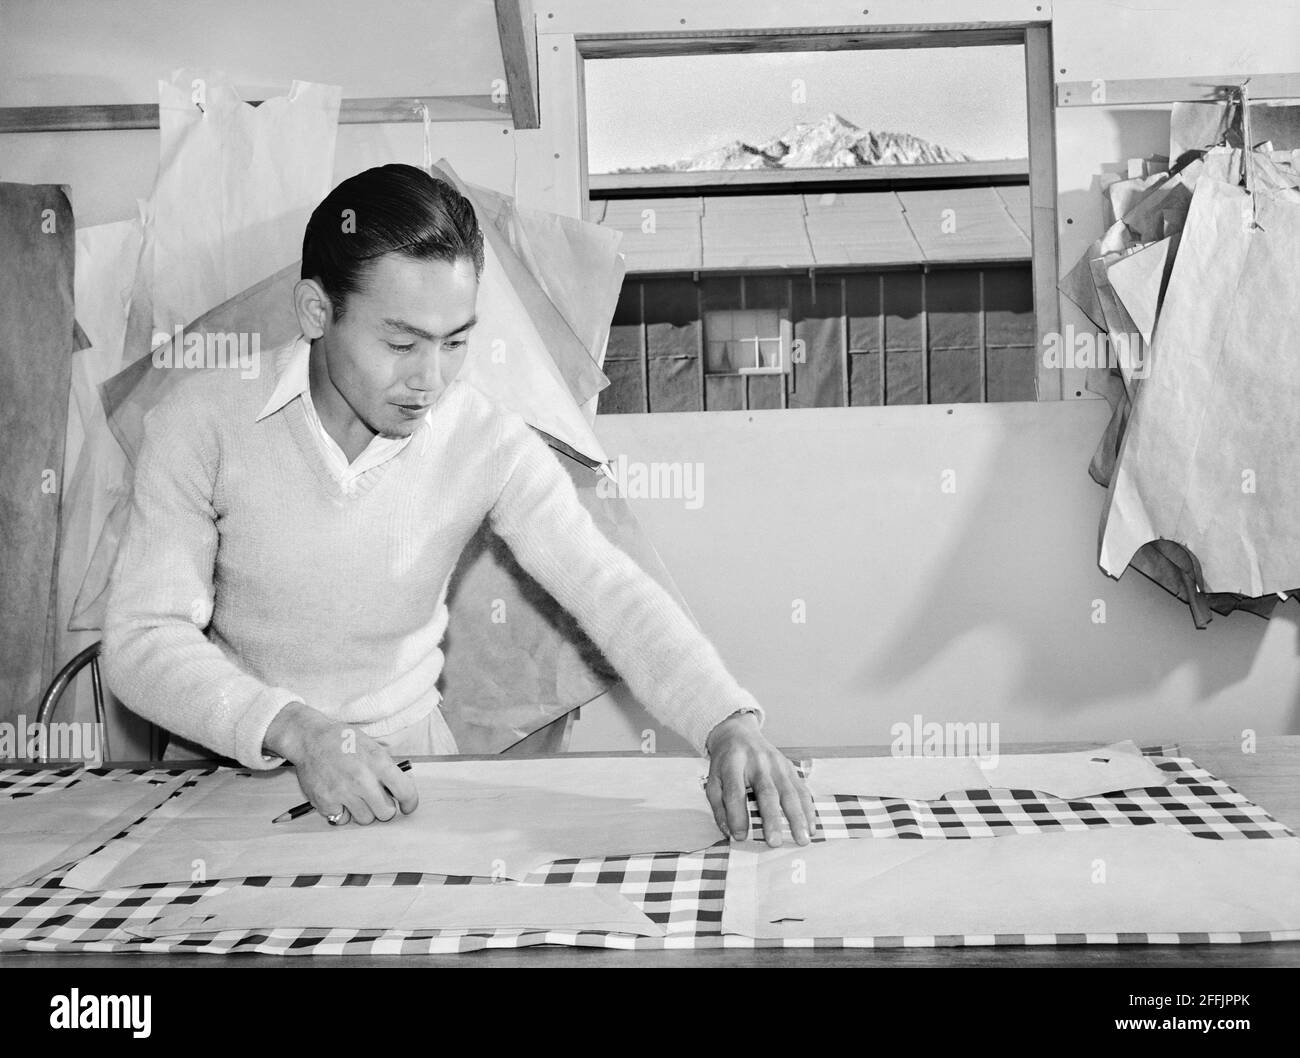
x=393, y=324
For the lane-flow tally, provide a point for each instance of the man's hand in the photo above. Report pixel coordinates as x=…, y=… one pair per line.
x=741, y=758
x=339, y=767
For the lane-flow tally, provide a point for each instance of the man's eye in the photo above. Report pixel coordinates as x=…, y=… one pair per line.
x=399, y=348
x=460, y=344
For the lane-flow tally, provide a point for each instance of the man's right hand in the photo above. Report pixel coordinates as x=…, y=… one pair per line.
x=339, y=767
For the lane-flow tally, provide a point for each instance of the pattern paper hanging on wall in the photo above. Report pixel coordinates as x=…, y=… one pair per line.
x=524, y=353
x=96, y=473
x=235, y=187
x=1209, y=457
x=1170, y=502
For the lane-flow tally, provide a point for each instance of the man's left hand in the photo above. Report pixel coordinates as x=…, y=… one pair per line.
x=740, y=758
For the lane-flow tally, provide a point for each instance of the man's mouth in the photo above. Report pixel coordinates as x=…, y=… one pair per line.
x=413, y=409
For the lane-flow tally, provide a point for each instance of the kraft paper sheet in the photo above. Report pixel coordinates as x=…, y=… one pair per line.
x=1121, y=880
x=496, y=818
x=455, y=908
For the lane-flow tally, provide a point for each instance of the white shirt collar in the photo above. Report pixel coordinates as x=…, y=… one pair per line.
x=294, y=380
x=295, y=376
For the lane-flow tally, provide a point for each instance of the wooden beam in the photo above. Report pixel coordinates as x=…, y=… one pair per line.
x=652, y=16
x=1042, y=202
x=872, y=178
x=518, y=34
x=100, y=117
x=556, y=164
x=830, y=38
x=1149, y=90
x=580, y=95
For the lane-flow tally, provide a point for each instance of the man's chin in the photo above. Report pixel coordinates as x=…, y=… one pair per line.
x=395, y=431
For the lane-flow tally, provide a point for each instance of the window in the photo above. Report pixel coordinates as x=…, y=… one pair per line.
x=800, y=233
x=744, y=342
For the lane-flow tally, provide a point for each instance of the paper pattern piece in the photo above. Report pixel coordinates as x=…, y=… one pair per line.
x=1137, y=281
x=1077, y=284
x=476, y=818
x=507, y=361
x=96, y=474
x=1196, y=126
x=1156, y=881
x=51, y=828
x=460, y=908
x=512, y=353
x=567, y=273
x=503, y=681
x=1125, y=338
x=1193, y=449
x=236, y=185
x=1155, y=208
x=1083, y=773
x=1209, y=456
x=914, y=778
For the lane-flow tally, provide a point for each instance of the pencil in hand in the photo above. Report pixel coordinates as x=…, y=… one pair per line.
x=298, y=811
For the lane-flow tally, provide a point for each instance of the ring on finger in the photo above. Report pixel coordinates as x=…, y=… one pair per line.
x=337, y=819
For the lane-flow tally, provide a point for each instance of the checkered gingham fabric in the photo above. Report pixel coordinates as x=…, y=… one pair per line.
x=683, y=893
x=25, y=782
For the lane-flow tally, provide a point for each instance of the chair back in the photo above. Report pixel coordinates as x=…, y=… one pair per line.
x=54, y=693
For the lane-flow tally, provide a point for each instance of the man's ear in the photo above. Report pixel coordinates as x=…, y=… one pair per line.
x=313, y=307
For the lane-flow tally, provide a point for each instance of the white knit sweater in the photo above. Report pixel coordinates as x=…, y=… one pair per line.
x=248, y=579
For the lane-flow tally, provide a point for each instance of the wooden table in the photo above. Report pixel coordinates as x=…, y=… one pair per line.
x=1270, y=777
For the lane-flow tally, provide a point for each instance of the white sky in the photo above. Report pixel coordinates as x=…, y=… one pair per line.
x=646, y=111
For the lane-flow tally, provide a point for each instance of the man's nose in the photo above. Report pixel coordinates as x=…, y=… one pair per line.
x=428, y=371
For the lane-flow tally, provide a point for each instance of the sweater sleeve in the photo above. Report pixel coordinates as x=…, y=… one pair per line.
x=156, y=657
x=667, y=662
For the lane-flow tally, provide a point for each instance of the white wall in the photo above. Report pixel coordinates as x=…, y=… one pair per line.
x=972, y=606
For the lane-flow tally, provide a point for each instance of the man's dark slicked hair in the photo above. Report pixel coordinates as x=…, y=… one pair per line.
x=395, y=208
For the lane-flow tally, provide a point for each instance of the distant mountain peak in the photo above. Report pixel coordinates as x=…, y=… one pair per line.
x=833, y=118
x=833, y=142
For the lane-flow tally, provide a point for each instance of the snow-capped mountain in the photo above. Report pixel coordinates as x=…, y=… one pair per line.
x=832, y=142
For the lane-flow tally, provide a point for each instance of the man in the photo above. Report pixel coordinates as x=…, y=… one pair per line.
x=308, y=522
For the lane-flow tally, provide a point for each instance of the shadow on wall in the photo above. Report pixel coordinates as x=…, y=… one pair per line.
x=1069, y=659
x=1068, y=662
x=1139, y=133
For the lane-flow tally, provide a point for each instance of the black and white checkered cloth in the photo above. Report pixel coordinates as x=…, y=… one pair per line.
x=26, y=782
x=683, y=893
